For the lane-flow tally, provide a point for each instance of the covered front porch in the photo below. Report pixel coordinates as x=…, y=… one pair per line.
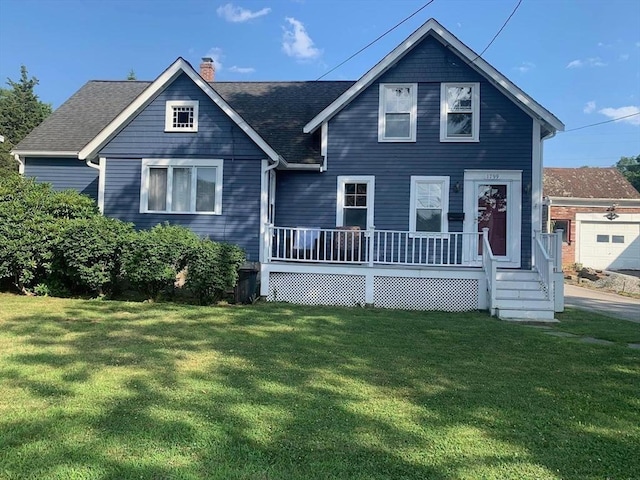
x=453, y=271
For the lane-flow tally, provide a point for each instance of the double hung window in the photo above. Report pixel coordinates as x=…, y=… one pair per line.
x=460, y=112
x=355, y=202
x=181, y=186
x=429, y=204
x=397, y=112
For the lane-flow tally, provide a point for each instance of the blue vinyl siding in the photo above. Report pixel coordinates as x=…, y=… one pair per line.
x=63, y=174
x=308, y=199
x=217, y=136
x=240, y=219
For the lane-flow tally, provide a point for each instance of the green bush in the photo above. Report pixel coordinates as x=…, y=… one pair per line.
x=212, y=269
x=90, y=250
x=153, y=258
x=32, y=217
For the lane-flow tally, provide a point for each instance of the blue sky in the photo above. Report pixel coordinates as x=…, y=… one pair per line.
x=578, y=58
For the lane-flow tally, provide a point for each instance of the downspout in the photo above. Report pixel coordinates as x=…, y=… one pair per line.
x=100, y=182
x=20, y=163
x=92, y=165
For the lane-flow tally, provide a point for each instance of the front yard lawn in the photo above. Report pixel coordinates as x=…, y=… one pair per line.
x=116, y=390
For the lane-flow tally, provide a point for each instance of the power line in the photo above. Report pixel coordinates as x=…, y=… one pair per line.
x=499, y=31
x=374, y=41
x=601, y=123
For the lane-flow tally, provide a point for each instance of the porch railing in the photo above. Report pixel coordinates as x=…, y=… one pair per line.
x=379, y=247
x=552, y=243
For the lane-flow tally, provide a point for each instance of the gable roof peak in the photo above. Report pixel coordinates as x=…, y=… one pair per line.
x=444, y=36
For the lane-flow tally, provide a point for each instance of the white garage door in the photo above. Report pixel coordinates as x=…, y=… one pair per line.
x=610, y=245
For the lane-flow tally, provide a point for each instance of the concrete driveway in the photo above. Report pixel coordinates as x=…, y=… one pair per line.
x=611, y=304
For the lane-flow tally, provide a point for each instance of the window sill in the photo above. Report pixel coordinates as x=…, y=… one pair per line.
x=396, y=140
x=459, y=140
x=179, y=213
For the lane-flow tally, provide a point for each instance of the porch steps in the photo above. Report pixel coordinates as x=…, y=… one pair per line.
x=520, y=296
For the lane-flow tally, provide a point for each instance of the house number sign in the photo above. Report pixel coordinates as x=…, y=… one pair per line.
x=492, y=176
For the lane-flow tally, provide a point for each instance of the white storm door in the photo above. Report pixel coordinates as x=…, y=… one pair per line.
x=492, y=199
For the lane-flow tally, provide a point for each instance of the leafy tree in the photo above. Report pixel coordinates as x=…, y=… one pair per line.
x=20, y=112
x=630, y=168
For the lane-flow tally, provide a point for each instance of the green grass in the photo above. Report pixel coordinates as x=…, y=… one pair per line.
x=116, y=390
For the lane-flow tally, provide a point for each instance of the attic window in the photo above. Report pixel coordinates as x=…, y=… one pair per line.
x=460, y=112
x=181, y=116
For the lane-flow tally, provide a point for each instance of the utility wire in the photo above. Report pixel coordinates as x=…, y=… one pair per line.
x=381, y=36
x=499, y=31
x=601, y=123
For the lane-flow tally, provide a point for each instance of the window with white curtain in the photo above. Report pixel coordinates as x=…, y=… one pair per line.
x=397, y=112
x=181, y=186
x=429, y=198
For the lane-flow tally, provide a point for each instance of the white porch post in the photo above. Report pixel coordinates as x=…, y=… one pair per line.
x=558, y=276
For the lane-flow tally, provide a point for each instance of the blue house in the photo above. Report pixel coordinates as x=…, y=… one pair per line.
x=417, y=186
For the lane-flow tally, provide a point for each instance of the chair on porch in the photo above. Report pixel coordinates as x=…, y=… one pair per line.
x=346, y=244
x=305, y=243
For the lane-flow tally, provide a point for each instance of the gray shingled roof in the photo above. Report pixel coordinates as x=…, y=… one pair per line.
x=587, y=182
x=78, y=120
x=277, y=111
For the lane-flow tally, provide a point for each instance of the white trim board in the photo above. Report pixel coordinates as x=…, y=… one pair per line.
x=432, y=27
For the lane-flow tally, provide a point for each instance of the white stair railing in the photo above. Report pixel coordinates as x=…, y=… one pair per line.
x=490, y=268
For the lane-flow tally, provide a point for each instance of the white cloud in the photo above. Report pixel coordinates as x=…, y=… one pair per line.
x=242, y=69
x=296, y=42
x=234, y=14
x=216, y=54
x=590, y=107
x=638, y=44
x=623, y=57
x=623, y=112
x=525, y=67
x=589, y=62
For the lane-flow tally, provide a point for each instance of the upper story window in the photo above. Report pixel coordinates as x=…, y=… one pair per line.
x=397, y=112
x=429, y=204
x=181, y=186
x=181, y=116
x=460, y=112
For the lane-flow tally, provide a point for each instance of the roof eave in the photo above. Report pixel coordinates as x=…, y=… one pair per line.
x=45, y=153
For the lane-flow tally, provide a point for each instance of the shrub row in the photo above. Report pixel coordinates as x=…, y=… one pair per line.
x=57, y=242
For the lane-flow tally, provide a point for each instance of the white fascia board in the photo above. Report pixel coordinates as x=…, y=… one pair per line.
x=152, y=91
x=449, y=40
x=44, y=153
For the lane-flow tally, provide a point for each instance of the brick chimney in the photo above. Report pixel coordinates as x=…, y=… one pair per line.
x=207, y=70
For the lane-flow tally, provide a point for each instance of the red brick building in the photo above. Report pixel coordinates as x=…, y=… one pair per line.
x=599, y=211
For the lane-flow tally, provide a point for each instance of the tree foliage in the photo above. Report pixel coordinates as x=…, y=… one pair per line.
x=630, y=168
x=20, y=112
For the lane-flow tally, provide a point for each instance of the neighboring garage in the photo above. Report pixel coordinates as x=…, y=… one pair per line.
x=599, y=212
x=608, y=245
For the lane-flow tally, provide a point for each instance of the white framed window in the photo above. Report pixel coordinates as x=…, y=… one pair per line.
x=355, y=201
x=181, y=186
x=460, y=112
x=397, y=113
x=429, y=204
x=181, y=116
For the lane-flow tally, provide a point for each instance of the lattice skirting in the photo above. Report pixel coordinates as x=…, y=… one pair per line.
x=317, y=288
x=448, y=294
